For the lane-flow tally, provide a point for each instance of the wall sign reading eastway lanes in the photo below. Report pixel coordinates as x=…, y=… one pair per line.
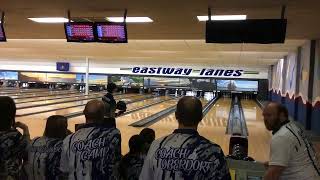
x=187, y=71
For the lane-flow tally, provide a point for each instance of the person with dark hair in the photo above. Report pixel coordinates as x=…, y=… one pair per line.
x=94, y=150
x=44, y=152
x=185, y=154
x=109, y=99
x=291, y=154
x=148, y=136
x=12, y=143
x=131, y=164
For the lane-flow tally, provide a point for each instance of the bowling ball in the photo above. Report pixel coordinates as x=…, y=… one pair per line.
x=122, y=106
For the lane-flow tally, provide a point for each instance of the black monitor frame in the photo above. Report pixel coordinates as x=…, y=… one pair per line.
x=4, y=39
x=110, y=23
x=80, y=23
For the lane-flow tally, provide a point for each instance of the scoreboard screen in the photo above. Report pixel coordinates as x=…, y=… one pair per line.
x=2, y=34
x=79, y=32
x=111, y=32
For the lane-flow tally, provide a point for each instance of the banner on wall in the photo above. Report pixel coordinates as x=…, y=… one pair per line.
x=276, y=76
x=291, y=75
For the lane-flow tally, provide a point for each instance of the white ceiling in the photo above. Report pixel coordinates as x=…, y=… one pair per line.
x=191, y=52
x=174, y=37
x=172, y=19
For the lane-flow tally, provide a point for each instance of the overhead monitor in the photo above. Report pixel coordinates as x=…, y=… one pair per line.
x=79, y=32
x=9, y=75
x=205, y=84
x=2, y=33
x=111, y=32
x=32, y=76
x=263, y=31
x=161, y=82
x=237, y=85
x=127, y=81
x=100, y=79
x=61, y=77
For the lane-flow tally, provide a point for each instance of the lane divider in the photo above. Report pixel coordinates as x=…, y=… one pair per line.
x=79, y=113
x=45, y=95
x=90, y=96
x=144, y=107
x=148, y=121
x=56, y=109
x=33, y=92
x=54, y=98
x=236, y=121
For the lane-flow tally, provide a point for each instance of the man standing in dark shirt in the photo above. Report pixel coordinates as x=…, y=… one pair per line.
x=185, y=154
x=109, y=99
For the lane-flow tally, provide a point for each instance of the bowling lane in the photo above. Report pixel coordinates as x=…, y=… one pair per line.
x=52, y=97
x=16, y=90
x=124, y=121
x=48, y=93
x=81, y=119
x=43, y=98
x=36, y=123
x=59, y=100
x=259, y=138
x=168, y=124
x=56, y=106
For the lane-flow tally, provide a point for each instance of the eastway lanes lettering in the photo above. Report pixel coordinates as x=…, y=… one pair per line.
x=161, y=70
x=187, y=71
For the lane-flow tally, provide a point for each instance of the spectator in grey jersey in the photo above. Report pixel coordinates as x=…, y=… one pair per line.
x=94, y=150
x=185, y=154
x=13, y=144
x=44, y=152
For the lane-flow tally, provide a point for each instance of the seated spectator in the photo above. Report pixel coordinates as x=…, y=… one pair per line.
x=185, y=154
x=291, y=154
x=131, y=164
x=148, y=136
x=44, y=152
x=12, y=143
x=94, y=150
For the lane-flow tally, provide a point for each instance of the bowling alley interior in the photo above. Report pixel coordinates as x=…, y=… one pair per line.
x=235, y=56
